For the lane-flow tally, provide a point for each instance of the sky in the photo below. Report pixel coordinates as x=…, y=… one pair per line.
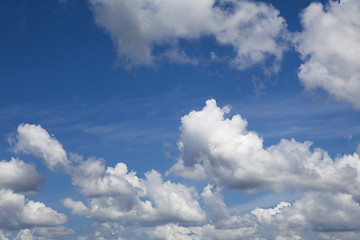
x=179, y=119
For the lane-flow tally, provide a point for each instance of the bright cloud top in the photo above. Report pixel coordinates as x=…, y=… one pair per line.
x=113, y=192
x=34, y=140
x=330, y=47
x=254, y=30
x=224, y=151
x=116, y=194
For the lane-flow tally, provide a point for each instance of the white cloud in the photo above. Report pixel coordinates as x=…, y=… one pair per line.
x=77, y=207
x=19, y=176
x=206, y=232
x=314, y=216
x=34, y=140
x=265, y=215
x=110, y=231
x=16, y=212
x=172, y=200
x=93, y=179
x=43, y=233
x=254, y=30
x=52, y=232
x=25, y=234
x=118, y=195
x=228, y=154
x=3, y=236
x=322, y=212
x=36, y=213
x=224, y=151
x=214, y=203
x=329, y=46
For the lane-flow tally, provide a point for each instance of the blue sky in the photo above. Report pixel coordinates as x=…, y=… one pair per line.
x=158, y=119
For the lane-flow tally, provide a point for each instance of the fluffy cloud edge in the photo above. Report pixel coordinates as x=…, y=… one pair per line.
x=137, y=27
x=225, y=152
x=329, y=47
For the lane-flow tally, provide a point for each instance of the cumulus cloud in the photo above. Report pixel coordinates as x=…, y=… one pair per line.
x=314, y=216
x=118, y=195
x=220, y=224
x=34, y=140
x=329, y=46
x=253, y=29
x=110, y=230
x=312, y=211
x=206, y=232
x=113, y=193
x=3, y=236
x=16, y=212
x=93, y=179
x=19, y=176
x=214, y=203
x=224, y=151
x=43, y=233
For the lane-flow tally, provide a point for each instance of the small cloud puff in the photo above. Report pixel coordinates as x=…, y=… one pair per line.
x=34, y=140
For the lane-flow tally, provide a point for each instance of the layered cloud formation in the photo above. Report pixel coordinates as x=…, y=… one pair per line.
x=214, y=148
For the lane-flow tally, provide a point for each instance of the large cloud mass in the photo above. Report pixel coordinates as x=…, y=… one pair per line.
x=253, y=30
x=224, y=151
x=215, y=148
x=329, y=45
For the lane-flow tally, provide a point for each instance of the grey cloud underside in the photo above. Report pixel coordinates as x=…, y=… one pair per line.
x=19, y=176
